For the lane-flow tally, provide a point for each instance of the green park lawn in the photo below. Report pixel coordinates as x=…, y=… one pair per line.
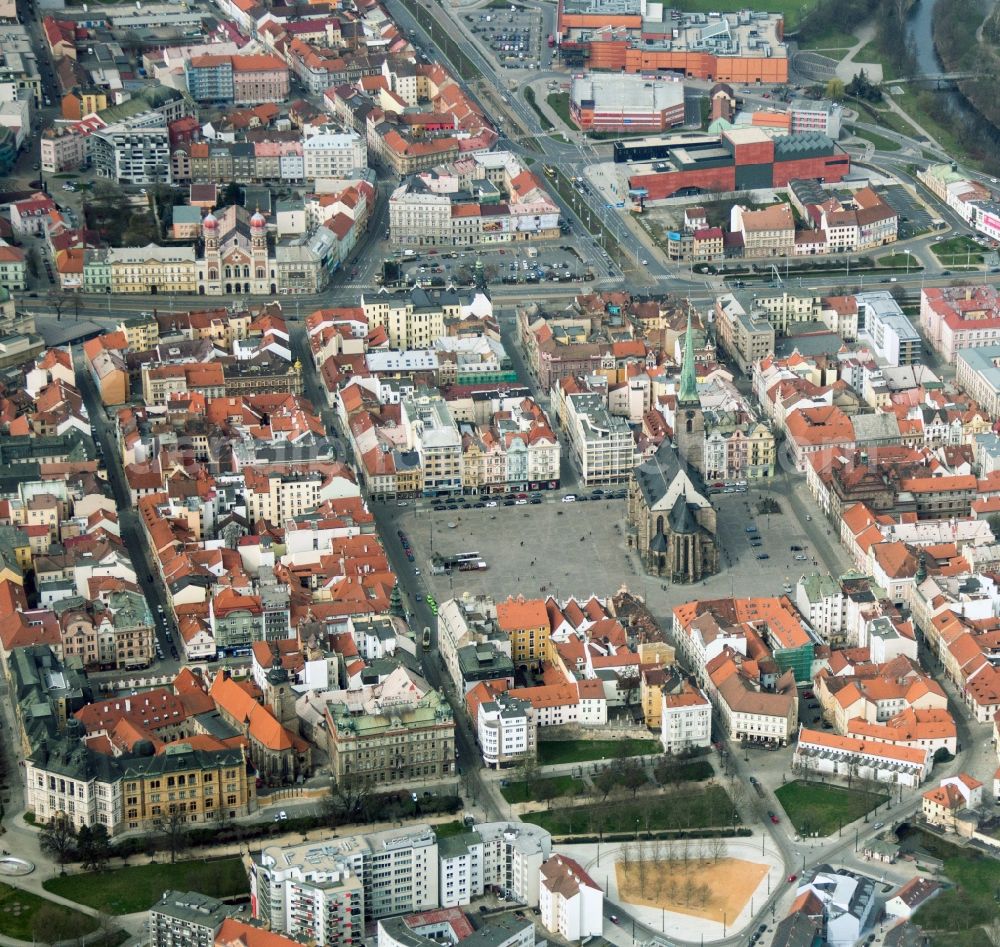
x=955, y=915
x=958, y=251
x=871, y=53
x=517, y=790
x=21, y=912
x=822, y=809
x=551, y=752
x=559, y=103
x=711, y=807
x=138, y=888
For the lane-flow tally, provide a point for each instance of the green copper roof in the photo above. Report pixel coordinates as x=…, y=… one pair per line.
x=688, y=393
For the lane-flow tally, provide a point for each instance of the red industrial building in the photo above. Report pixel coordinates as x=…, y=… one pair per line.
x=738, y=159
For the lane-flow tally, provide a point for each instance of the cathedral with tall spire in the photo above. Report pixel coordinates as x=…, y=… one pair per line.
x=671, y=521
x=689, y=420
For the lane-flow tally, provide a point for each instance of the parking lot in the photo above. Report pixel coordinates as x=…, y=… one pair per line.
x=521, y=264
x=580, y=549
x=914, y=218
x=512, y=33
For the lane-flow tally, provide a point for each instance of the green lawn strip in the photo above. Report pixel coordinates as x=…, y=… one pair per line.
x=583, y=751
x=819, y=808
x=19, y=909
x=880, y=143
x=898, y=260
x=529, y=97
x=711, y=807
x=559, y=103
x=449, y=828
x=138, y=888
x=955, y=246
x=553, y=788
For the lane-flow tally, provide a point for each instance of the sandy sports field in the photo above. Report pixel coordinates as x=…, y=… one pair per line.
x=714, y=890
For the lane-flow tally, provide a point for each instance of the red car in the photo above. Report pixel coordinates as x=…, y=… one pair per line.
x=807, y=694
x=775, y=819
x=792, y=878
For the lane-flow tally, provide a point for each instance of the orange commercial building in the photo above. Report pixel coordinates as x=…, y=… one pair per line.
x=746, y=47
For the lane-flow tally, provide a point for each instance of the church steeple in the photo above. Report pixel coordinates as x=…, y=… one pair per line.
x=688, y=393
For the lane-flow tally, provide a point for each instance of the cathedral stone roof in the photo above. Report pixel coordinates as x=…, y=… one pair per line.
x=682, y=520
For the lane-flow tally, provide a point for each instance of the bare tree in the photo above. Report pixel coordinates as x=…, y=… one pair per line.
x=173, y=827
x=56, y=298
x=704, y=853
x=628, y=684
x=605, y=781
x=642, y=863
x=633, y=777
x=689, y=887
x=52, y=925
x=703, y=893
x=626, y=863
x=718, y=845
x=669, y=856
x=58, y=838
x=738, y=795
x=672, y=886
x=350, y=800
x=655, y=850
x=529, y=773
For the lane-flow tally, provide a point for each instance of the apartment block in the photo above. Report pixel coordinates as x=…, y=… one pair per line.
x=326, y=890
x=331, y=154
x=132, y=154
x=685, y=719
x=601, y=444
x=432, y=432
x=185, y=919
x=506, y=730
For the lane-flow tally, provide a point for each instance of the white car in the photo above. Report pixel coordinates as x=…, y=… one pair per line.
x=521, y=502
x=491, y=503
x=569, y=498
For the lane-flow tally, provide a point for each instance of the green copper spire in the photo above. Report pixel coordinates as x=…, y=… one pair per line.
x=688, y=393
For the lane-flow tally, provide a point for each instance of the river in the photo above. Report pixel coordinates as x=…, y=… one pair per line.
x=920, y=35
